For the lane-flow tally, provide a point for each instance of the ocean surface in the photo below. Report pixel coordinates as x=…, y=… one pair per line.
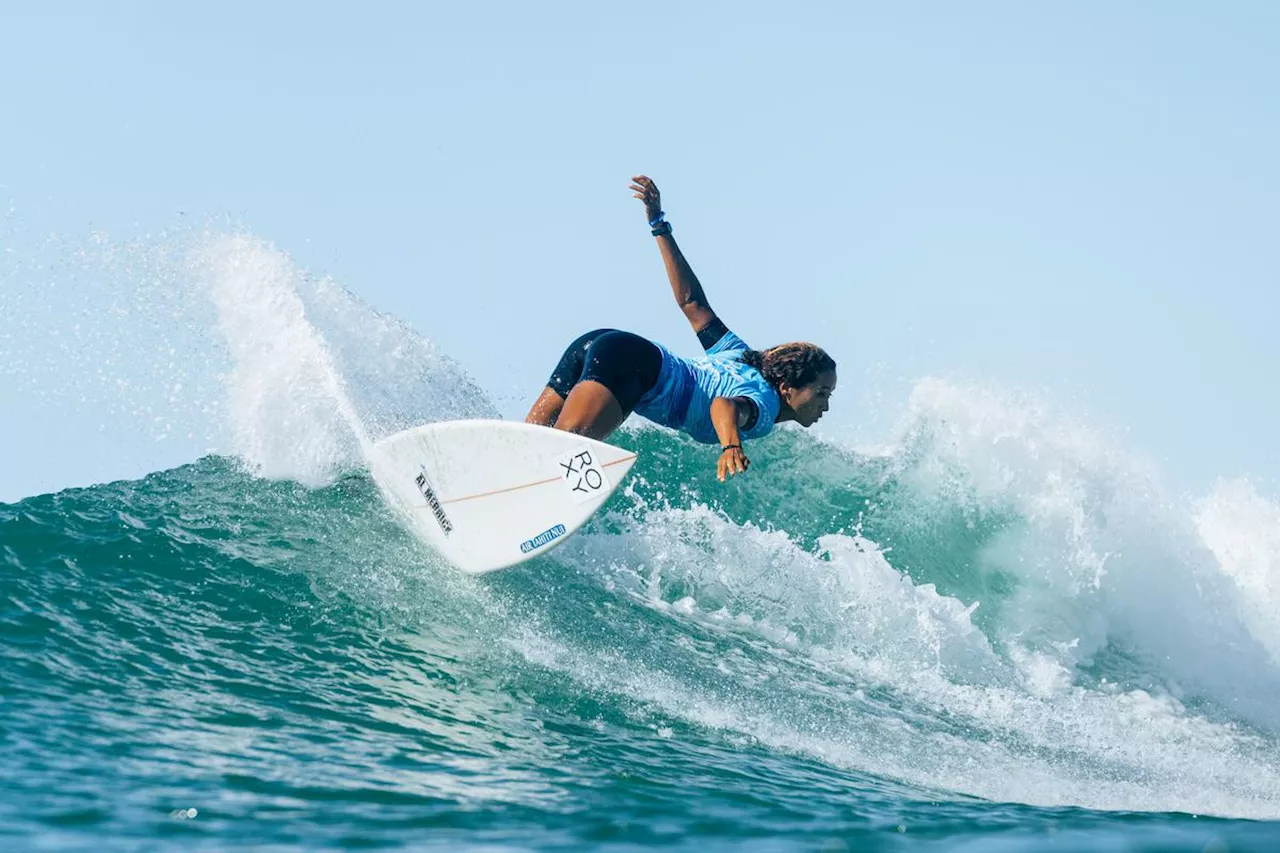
x=994, y=631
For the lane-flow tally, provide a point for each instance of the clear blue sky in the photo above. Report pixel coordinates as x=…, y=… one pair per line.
x=1079, y=197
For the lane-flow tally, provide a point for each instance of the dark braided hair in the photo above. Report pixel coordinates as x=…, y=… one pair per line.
x=795, y=364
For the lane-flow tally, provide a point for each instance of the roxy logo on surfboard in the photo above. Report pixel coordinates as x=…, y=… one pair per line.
x=583, y=474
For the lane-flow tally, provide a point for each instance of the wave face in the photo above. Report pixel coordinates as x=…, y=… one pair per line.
x=995, y=628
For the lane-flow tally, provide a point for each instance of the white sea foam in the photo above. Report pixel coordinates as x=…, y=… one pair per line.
x=1129, y=667
x=1104, y=558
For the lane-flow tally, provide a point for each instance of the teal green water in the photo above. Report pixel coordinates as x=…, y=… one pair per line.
x=202, y=659
x=995, y=632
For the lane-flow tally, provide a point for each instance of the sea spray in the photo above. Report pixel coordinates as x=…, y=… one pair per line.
x=317, y=375
x=1242, y=529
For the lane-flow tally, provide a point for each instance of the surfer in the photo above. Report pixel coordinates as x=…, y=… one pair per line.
x=730, y=394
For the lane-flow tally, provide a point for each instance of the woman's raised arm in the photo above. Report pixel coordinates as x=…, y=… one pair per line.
x=684, y=284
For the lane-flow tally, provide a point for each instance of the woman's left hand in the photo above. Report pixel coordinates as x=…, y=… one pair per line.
x=732, y=461
x=643, y=188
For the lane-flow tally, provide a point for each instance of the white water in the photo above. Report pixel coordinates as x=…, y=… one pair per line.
x=1133, y=666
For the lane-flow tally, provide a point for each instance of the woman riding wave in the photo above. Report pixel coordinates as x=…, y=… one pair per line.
x=731, y=393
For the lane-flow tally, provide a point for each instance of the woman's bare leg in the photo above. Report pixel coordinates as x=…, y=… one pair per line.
x=590, y=410
x=546, y=408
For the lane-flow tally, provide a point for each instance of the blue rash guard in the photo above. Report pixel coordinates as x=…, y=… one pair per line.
x=681, y=398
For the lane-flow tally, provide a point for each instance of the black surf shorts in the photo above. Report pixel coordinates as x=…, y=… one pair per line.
x=625, y=363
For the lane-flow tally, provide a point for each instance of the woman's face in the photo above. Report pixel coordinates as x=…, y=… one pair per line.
x=810, y=401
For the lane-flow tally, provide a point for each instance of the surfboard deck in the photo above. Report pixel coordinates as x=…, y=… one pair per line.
x=489, y=494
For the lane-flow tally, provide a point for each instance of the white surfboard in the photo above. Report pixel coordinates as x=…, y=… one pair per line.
x=490, y=494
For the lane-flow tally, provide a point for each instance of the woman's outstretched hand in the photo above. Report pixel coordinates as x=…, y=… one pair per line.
x=643, y=188
x=732, y=461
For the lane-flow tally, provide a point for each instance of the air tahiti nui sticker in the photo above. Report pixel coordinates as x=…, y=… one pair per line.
x=543, y=538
